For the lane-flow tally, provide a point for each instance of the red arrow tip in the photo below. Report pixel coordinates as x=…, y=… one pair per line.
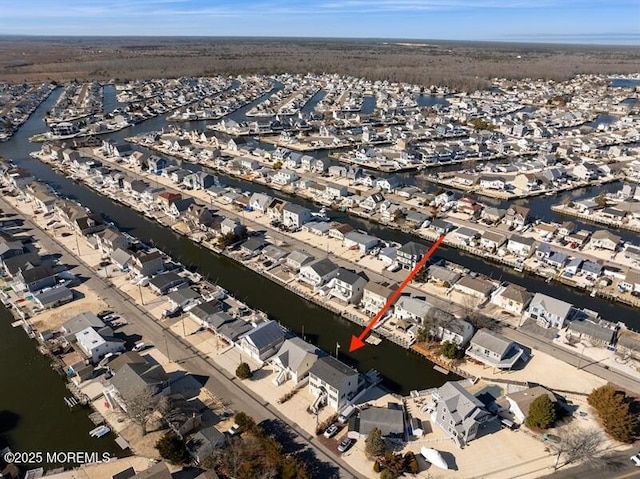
x=356, y=343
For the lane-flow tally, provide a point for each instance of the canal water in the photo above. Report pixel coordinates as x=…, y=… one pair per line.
x=402, y=370
x=33, y=415
x=36, y=424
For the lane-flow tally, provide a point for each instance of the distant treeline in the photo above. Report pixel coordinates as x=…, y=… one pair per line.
x=462, y=66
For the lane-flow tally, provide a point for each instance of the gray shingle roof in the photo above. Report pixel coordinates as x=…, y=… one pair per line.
x=492, y=341
x=390, y=421
x=332, y=371
x=591, y=329
x=323, y=266
x=265, y=334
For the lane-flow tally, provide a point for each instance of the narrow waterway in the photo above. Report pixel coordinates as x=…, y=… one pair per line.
x=401, y=370
x=33, y=414
x=36, y=425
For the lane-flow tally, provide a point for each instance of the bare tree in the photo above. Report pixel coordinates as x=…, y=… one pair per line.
x=141, y=406
x=581, y=445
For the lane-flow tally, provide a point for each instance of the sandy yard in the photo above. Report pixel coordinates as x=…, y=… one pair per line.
x=109, y=469
x=54, y=318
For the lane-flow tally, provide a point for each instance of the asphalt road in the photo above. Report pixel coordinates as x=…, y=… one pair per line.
x=219, y=383
x=621, y=467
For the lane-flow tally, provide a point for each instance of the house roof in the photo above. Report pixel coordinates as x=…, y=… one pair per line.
x=493, y=237
x=294, y=351
x=415, y=306
x=494, y=342
x=265, y=334
x=120, y=257
x=299, y=257
x=442, y=273
x=36, y=273
x=183, y=294
x=273, y=252
x=385, y=289
x=132, y=378
x=54, y=295
x=322, y=266
x=233, y=329
x=158, y=471
x=413, y=249
x=361, y=238
x=348, y=277
x=296, y=209
x=516, y=294
x=164, y=280
x=593, y=330
x=459, y=402
x=476, y=284
x=81, y=321
x=390, y=420
x=525, y=397
x=605, y=235
x=522, y=240
x=332, y=371
x=205, y=310
x=551, y=305
x=468, y=232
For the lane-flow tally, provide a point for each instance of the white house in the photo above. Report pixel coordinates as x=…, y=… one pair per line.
x=294, y=215
x=548, y=311
x=347, y=286
x=318, y=272
x=333, y=383
x=95, y=346
x=263, y=341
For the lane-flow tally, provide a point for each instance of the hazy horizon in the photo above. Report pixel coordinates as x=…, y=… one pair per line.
x=569, y=22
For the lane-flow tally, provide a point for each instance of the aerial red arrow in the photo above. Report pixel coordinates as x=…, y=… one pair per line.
x=357, y=342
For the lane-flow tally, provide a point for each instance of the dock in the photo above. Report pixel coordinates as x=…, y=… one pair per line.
x=372, y=339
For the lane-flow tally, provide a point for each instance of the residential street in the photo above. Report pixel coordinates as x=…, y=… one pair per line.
x=227, y=388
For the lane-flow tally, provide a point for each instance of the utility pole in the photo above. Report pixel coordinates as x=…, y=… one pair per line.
x=184, y=333
x=166, y=346
x=140, y=291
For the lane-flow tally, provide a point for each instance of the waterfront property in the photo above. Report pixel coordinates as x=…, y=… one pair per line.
x=494, y=350
x=458, y=413
x=333, y=383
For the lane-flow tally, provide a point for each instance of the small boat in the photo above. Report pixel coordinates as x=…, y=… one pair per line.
x=434, y=457
x=100, y=431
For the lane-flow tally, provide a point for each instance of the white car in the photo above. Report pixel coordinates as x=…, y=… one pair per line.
x=636, y=459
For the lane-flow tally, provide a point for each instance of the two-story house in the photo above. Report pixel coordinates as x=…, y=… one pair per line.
x=410, y=254
x=347, y=286
x=458, y=413
x=512, y=298
x=375, y=296
x=333, y=383
x=318, y=272
x=549, y=312
x=294, y=360
x=294, y=216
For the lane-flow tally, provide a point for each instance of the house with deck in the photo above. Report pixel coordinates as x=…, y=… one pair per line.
x=294, y=360
x=494, y=350
x=333, y=383
x=458, y=413
x=263, y=341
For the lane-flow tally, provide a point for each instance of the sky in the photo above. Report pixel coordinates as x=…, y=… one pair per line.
x=547, y=21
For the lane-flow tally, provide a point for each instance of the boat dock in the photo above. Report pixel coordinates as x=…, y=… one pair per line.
x=372, y=339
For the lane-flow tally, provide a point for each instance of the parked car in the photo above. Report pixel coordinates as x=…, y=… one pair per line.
x=234, y=430
x=331, y=431
x=551, y=438
x=636, y=459
x=345, y=444
x=104, y=312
